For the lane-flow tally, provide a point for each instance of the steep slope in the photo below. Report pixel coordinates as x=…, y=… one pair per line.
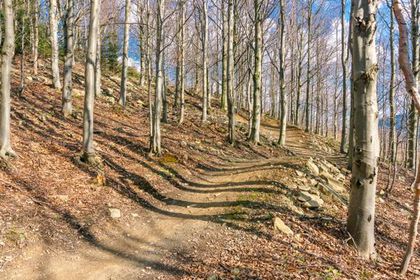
x=205, y=209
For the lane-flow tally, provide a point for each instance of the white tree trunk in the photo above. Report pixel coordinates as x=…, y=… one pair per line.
x=157, y=112
x=123, y=87
x=88, y=148
x=256, y=108
x=344, y=69
x=180, y=85
x=361, y=212
x=54, y=44
x=204, y=43
x=411, y=85
x=230, y=73
x=283, y=97
x=36, y=36
x=7, y=53
x=98, y=72
x=69, y=58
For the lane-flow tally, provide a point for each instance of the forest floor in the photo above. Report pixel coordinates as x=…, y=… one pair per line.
x=203, y=210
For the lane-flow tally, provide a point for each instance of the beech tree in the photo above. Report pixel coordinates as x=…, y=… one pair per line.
x=203, y=18
x=180, y=67
x=54, y=44
x=35, y=32
x=88, y=147
x=7, y=53
x=411, y=75
x=283, y=97
x=344, y=70
x=69, y=58
x=123, y=87
x=155, y=139
x=230, y=90
x=361, y=211
x=256, y=98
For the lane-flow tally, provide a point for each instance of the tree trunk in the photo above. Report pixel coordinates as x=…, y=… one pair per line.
x=256, y=110
x=392, y=132
x=22, y=56
x=223, y=101
x=308, y=69
x=54, y=44
x=230, y=74
x=299, y=78
x=7, y=53
x=98, y=72
x=123, y=86
x=157, y=112
x=88, y=148
x=361, y=212
x=181, y=73
x=69, y=56
x=283, y=103
x=344, y=69
x=411, y=83
x=36, y=36
x=204, y=59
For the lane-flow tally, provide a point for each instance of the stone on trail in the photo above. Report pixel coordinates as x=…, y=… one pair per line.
x=304, y=188
x=309, y=200
x=299, y=173
x=336, y=185
x=312, y=167
x=280, y=226
x=114, y=213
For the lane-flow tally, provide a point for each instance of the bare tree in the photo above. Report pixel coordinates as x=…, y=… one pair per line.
x=344, y=69
x=283, y=97
x=180, y=69
x=155, y=139
x=7, y=53
x=54, y=44
x=35, y=27
x=69, y=58
x=308, y=69
x=123, y=87
x=230, y=72
x=258, y=46
x=361, y=211
x=411, y=76
x=88, y=148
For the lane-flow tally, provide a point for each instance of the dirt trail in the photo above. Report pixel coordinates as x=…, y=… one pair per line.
x=148, y=245
x=170, y=210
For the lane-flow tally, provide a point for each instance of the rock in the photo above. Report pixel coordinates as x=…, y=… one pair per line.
x=304, y=188
x=29, y=78
x=299, y=173
x=333, y=183
x=280, y=226
x=312, y=182
x=184, y=144
x=311, y=201
x=312, y=167
x=304, y=196
x=114, y=213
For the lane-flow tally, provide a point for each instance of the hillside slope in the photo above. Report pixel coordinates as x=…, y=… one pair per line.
x=204, y=210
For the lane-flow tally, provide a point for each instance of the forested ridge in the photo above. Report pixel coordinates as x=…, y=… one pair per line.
x=196, y=139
